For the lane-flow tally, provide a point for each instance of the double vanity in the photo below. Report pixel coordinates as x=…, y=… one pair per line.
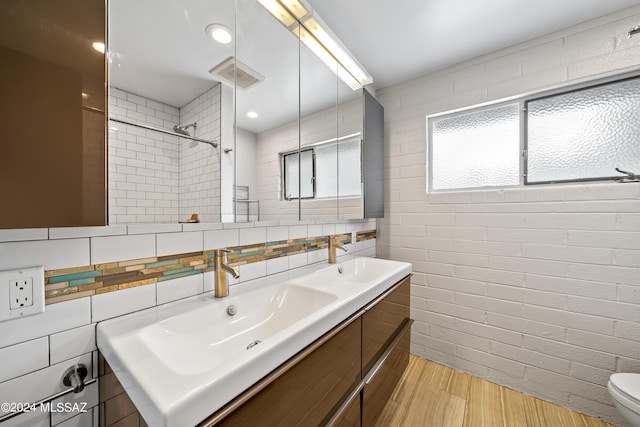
x=322, y=345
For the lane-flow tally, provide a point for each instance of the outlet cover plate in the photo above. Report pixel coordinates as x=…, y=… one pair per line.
x=36, y=274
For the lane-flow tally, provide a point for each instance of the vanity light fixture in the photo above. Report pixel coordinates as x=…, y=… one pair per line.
x=219, y=33
x=252, y=115
x=304, y=23
x=321, y=32
x=318, y=49
x=281, y=13
x=98, y=46
x=296, y=8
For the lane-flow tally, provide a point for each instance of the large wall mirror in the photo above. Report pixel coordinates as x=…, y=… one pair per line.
x=215, y=110
x=170, y=119
x=277, y=134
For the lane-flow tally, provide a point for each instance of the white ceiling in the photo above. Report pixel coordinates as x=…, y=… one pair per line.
x=396, y=40
x=163, y=53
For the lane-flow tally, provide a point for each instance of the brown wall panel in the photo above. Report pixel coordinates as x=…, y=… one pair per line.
x=52, y=114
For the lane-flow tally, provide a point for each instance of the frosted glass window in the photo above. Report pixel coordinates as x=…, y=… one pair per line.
x=291, y=170
x=476, y=149
x=584, y=134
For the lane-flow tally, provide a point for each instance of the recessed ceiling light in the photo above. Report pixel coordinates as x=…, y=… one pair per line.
x=252, y=115
x=99, y=46
x=219, y=33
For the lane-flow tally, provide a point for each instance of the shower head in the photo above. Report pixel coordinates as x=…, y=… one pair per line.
x=182, y=130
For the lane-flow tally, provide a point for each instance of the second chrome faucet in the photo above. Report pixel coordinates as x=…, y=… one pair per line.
x=221, y=287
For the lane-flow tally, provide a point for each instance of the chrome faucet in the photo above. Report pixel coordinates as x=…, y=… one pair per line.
x=333, y=244
x=221, y=287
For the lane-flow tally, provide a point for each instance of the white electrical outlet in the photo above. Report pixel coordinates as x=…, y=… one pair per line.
x=21, y=292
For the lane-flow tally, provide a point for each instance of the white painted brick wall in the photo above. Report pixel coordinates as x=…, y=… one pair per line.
x=536, y=288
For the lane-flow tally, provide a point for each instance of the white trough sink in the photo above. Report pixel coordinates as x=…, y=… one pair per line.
x=181, y=362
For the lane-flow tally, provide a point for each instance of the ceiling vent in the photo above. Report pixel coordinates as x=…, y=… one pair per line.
x=233, y=71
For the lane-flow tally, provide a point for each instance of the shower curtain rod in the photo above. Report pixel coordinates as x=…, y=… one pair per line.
x=168, y=132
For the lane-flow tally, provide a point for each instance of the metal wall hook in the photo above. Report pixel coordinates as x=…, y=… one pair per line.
x=74, y=377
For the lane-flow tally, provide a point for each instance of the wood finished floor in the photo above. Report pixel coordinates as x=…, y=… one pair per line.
x=437, y=396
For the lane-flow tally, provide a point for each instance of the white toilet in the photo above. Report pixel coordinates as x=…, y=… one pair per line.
x=625, y=391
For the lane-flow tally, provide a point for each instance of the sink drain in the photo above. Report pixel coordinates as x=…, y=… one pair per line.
x=232, y=310
x=253, y=344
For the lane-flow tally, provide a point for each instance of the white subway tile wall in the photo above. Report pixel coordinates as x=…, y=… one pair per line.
x=199, y=187
x=52, y=254
x=143, y=164
x=29, y=419
x=88, y=396
x=65, y=345
x=35, y=351
x=172, y=290
x=40, y=384
x=121, y=248
x=113, y=304
x=154, y=177
x=23, y=358
x=172, y=243
x=535, y=288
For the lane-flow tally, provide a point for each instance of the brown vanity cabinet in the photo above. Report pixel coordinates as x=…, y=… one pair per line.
x=344, y=379
x=351, y=415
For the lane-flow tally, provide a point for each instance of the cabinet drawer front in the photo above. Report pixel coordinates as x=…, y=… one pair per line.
x=381, y=322
x=309, y=392
x=379, y=389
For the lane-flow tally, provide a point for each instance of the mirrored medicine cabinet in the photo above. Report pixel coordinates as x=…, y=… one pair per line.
x=253, y=126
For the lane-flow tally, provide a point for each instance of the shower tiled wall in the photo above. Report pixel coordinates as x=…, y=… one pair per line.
x=143, y=165
x=154, y=177
x=199, y=184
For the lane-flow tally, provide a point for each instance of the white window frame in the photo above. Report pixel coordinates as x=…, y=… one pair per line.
x=522, y=100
